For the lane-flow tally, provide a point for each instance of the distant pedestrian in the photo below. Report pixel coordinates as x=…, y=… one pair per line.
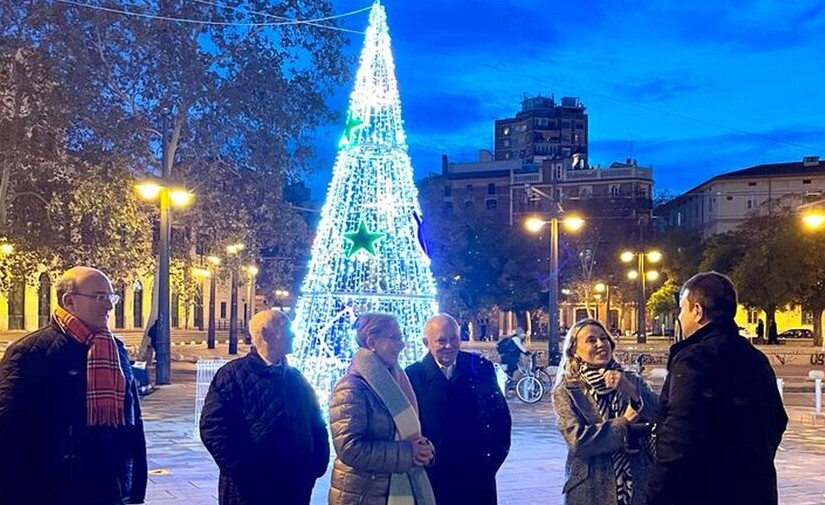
x=773, y=334
x=465, y=330
x=604, y=414
x=721, y=417
x=70, y=423
x=262, y=423
x=463, y=413
x=760, y=332
x=373, y=417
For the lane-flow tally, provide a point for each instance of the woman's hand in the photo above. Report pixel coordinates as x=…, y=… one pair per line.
x=423, y=451
x=630, y=414
x=617, y=380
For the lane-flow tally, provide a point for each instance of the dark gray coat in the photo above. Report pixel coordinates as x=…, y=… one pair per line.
x=590, y=478
x=363, y=434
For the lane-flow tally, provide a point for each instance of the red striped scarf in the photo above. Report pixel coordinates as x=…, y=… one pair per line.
x=105, y=383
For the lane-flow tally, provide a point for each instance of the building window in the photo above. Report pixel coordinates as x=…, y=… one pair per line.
x=491, y=204
x=469, y=189
x=448, y=208
x=506, y=156
x=448, y=191
x=505, y=130
x=585, y=192
x=751, y=184
x=491, y=188
x=753, y=316
x=806, y=181
x=615, y=190
x=468, y=204
x=223, y=310
x=751, y=202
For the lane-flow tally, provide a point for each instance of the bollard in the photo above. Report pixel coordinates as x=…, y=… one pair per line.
x=780, y=385
x=818, y=395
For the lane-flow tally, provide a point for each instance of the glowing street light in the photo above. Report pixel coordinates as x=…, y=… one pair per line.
x=814, y=220
x=233, y=250
x=644, y=276
x=535, y=224
x=6, y=249
x=150, y=190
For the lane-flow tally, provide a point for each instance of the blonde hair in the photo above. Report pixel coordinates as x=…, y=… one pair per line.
x=372, y=324
x=569, y=365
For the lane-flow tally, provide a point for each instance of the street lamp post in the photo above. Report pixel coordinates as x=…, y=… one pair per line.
x=252, y=270
x=233, y=300
x=214, y=261
x=535, y=224
x=168, y=197
x=643, y=275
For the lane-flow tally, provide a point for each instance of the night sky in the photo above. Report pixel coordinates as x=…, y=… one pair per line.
x=693, y=88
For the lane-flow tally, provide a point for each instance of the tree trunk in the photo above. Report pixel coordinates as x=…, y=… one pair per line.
x=818, y=326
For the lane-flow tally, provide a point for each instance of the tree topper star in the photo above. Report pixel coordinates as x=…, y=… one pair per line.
x=362, y=239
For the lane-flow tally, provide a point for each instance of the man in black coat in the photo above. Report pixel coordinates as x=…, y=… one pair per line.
x=262, y=423
x=721, y=417
x=64, y=440
x=463, y=413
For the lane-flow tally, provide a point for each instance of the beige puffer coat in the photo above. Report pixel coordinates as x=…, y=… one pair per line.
x=363, y=434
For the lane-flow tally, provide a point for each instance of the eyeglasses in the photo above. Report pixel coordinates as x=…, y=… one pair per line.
x=113, y=298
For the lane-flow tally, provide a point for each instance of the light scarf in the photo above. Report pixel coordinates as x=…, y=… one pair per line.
x=611, y=405
x=396, y=393
x=105, y=383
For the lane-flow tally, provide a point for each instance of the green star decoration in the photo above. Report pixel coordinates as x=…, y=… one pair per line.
x=362, y=239
x=353, y=124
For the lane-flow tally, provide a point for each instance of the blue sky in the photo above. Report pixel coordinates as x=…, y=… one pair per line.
x=693, y=88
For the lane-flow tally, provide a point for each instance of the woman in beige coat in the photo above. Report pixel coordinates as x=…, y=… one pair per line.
x=605, y=416
x=374, y=423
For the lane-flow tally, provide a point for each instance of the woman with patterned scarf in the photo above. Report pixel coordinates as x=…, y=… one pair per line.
x=605, y=415
x=375, y=428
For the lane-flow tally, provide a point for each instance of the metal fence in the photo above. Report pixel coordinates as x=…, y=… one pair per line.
x=205, y=372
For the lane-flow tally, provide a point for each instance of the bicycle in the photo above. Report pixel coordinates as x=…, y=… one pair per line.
x=529, y=388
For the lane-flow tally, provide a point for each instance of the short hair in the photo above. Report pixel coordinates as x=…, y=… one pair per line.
x=569, y=365
x=68, y=281
x=372, y=324
x=264, y=319
x=714, y=292
x=431, y=321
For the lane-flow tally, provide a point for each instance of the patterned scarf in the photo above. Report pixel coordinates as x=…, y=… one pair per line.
x=396, y=393
x=105, y=383
x=611, y=405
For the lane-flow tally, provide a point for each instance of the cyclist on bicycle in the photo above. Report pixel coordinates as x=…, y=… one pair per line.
x=511, y=349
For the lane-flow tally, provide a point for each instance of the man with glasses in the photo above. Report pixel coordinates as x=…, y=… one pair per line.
x=463, y=413
x=69, y=412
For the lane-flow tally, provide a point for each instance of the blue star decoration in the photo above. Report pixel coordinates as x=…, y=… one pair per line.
x=362, y=239
x=353, y=125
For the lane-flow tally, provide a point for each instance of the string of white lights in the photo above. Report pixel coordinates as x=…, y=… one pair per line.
x=209, y=22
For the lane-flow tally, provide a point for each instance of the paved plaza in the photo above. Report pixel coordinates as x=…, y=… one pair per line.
x=182, y=472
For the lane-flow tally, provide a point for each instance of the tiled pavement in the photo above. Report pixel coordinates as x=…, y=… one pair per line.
x=182, y=472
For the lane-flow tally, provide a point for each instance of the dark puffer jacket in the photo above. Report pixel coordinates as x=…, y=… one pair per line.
x=263, y=426
x=363, y=433
x=48, y=456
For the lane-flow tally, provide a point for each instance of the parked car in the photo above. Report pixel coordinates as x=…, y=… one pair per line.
x=797, y=333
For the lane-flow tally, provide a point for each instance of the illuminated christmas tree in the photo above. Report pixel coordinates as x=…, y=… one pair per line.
x=366, y=255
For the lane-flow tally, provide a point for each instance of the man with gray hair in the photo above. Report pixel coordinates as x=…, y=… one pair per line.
x=262, y=423
x=463, y=413
x=69, y=411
